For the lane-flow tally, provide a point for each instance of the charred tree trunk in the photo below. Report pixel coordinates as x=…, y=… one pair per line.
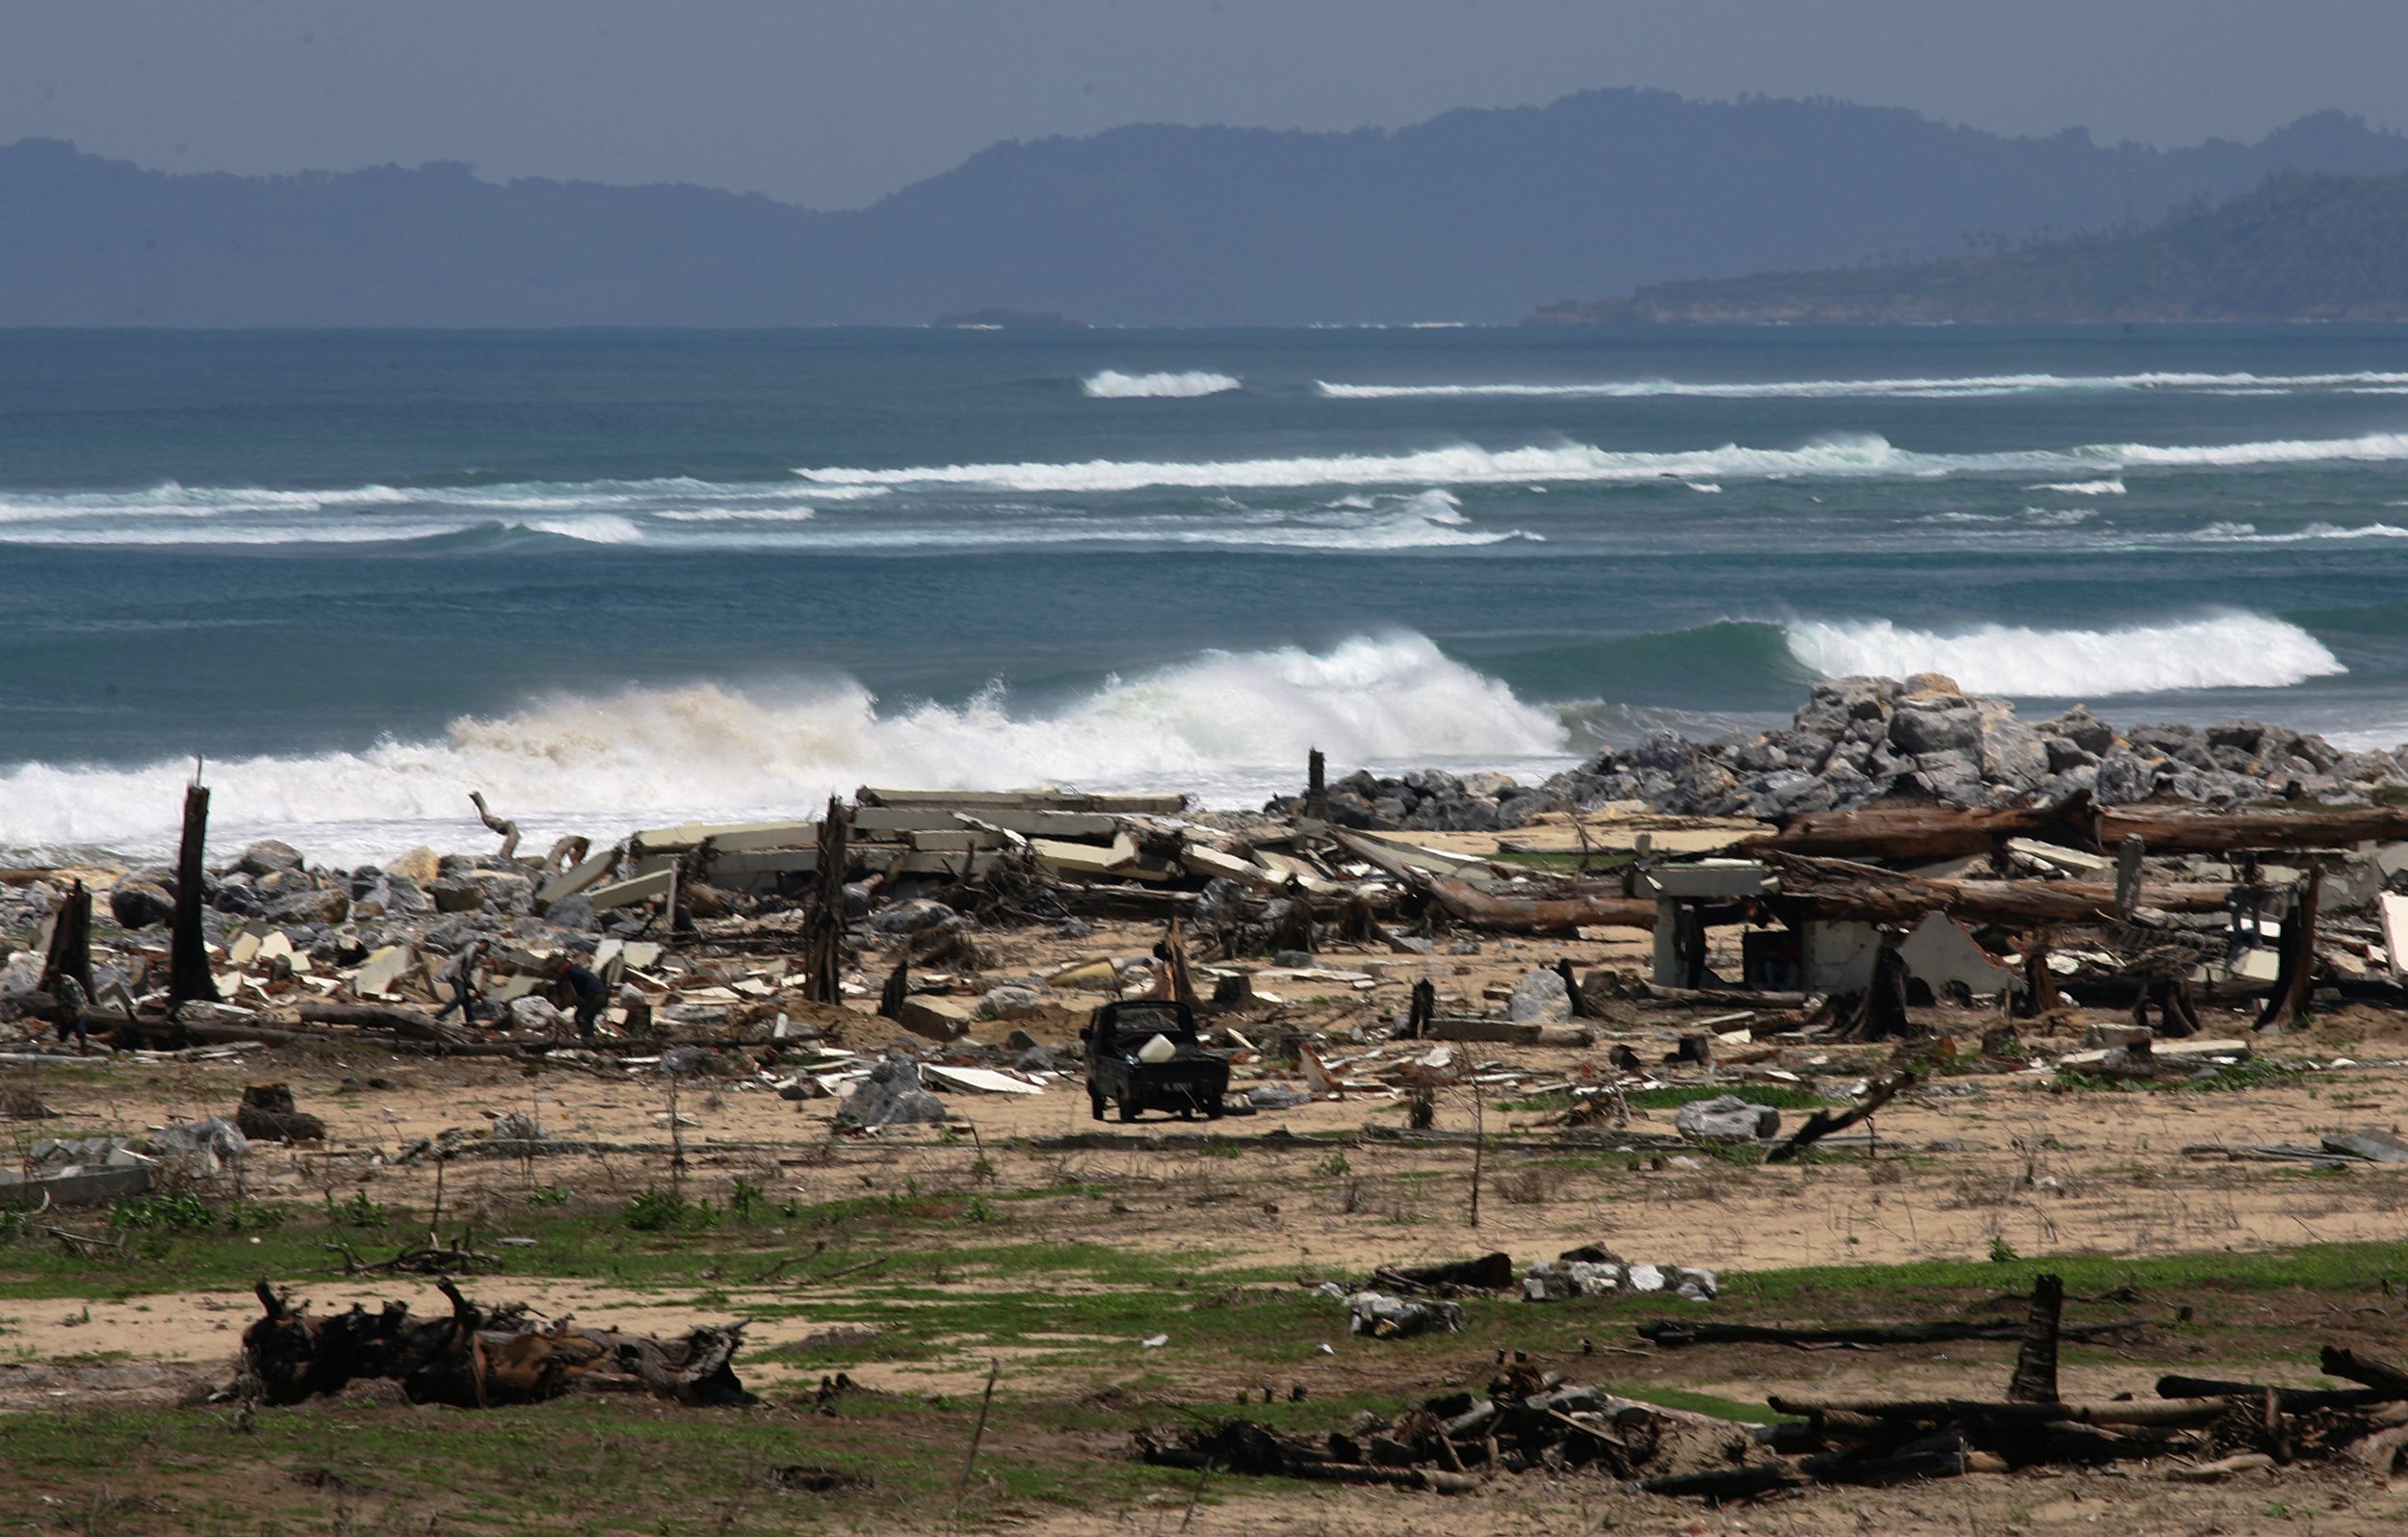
x=824, y=938
x=2035, y=1365
x=71, y=946
x=2297, y=963
x=188, y=958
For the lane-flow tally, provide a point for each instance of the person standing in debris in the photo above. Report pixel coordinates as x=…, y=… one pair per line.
x=461, y=970
x=583, y=989
x=73, y=1014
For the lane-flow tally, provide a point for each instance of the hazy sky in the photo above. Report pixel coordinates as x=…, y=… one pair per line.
x=835, y=104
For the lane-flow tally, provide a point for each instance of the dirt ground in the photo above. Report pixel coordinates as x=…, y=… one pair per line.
x=1976, y=1163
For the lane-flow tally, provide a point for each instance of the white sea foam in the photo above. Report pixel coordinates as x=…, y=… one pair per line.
x=725, y=514
x=2373, y=447
x=1855, y=454
x=1872, y=388
x=1842, y=455
x=1112, y=384
x=2225, y=651
x=1228, y=721
x=603, y=529
x=2113, y=485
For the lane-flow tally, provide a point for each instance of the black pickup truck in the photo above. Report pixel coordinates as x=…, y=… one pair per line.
x=1190, y=1079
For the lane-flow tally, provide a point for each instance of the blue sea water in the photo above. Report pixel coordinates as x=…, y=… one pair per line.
x=616, y=577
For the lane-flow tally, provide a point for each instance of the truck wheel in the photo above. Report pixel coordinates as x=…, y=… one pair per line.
x=1096, y=1102
x=1128, y=1110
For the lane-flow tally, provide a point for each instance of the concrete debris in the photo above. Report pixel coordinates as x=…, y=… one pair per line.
x=2371, y=1143
x=892, y=1095
x=1382, y=1316
x=1540, y=997
x=1727, y=1118
x=1559, y=1280
x=205, y=1145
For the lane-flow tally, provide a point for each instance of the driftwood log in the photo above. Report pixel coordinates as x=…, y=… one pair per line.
x=1842, y=888
x=1928, y=833
x=1949, y=832
x=481, y=1357
x=1579, y=907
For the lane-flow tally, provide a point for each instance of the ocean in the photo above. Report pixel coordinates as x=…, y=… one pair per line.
x=616, y=579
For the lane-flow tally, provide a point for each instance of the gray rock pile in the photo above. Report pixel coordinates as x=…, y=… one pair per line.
x=1860, y=740
x=1857, y=741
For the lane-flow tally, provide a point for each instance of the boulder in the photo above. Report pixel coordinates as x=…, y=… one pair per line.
x=1787, y=793
x=420, y=867
x=1664, y=751
x=1540, y=998
x=140, y=905
x=2183, y=744
x=571, y=912
x=938, y=1019
x=891, y=1095
x=912, y=917
x=2123, y=776
x=2011, y=753
x=1726, y=1118
x=268, y=857
x=327, y=906
x=1934, y=723
x=1009, y=1003
x=454, y=895
x=533, y=1013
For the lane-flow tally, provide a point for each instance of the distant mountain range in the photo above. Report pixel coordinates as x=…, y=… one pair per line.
x=2301, y=247
x=1473, y=215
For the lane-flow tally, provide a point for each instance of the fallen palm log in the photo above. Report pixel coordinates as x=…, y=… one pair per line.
x=2355, y=1367
x=2287, y=1401
x=419, y=1031
x=1675, y=1333
x=1840, y=888
x=1823, y=1123
x=1562, y=914
x=479, y=1358
x=1928, y=833
x=1940, y=1410
x=2167, y=830
x=1490, y=1272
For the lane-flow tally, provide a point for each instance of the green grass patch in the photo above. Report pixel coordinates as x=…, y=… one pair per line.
x=584, y=1465
x=2227, y=1079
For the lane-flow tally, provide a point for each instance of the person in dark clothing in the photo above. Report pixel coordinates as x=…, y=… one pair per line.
x=72, y=1017
x=587, y=994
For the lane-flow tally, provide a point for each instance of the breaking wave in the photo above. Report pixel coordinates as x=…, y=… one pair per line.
x=1874, y=388
x=1858, y=454
x=1853, y=454
x=696, y=514
x=1112, y=384
x=2113, y=485
x=1227, y=723
x=2226, y=651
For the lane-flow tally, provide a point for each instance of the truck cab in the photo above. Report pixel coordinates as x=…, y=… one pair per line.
x=1145, y=1054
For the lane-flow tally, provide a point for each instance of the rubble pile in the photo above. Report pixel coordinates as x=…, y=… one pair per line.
x=1856, y=741
x=1532, y=1420
x=1860, y=740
